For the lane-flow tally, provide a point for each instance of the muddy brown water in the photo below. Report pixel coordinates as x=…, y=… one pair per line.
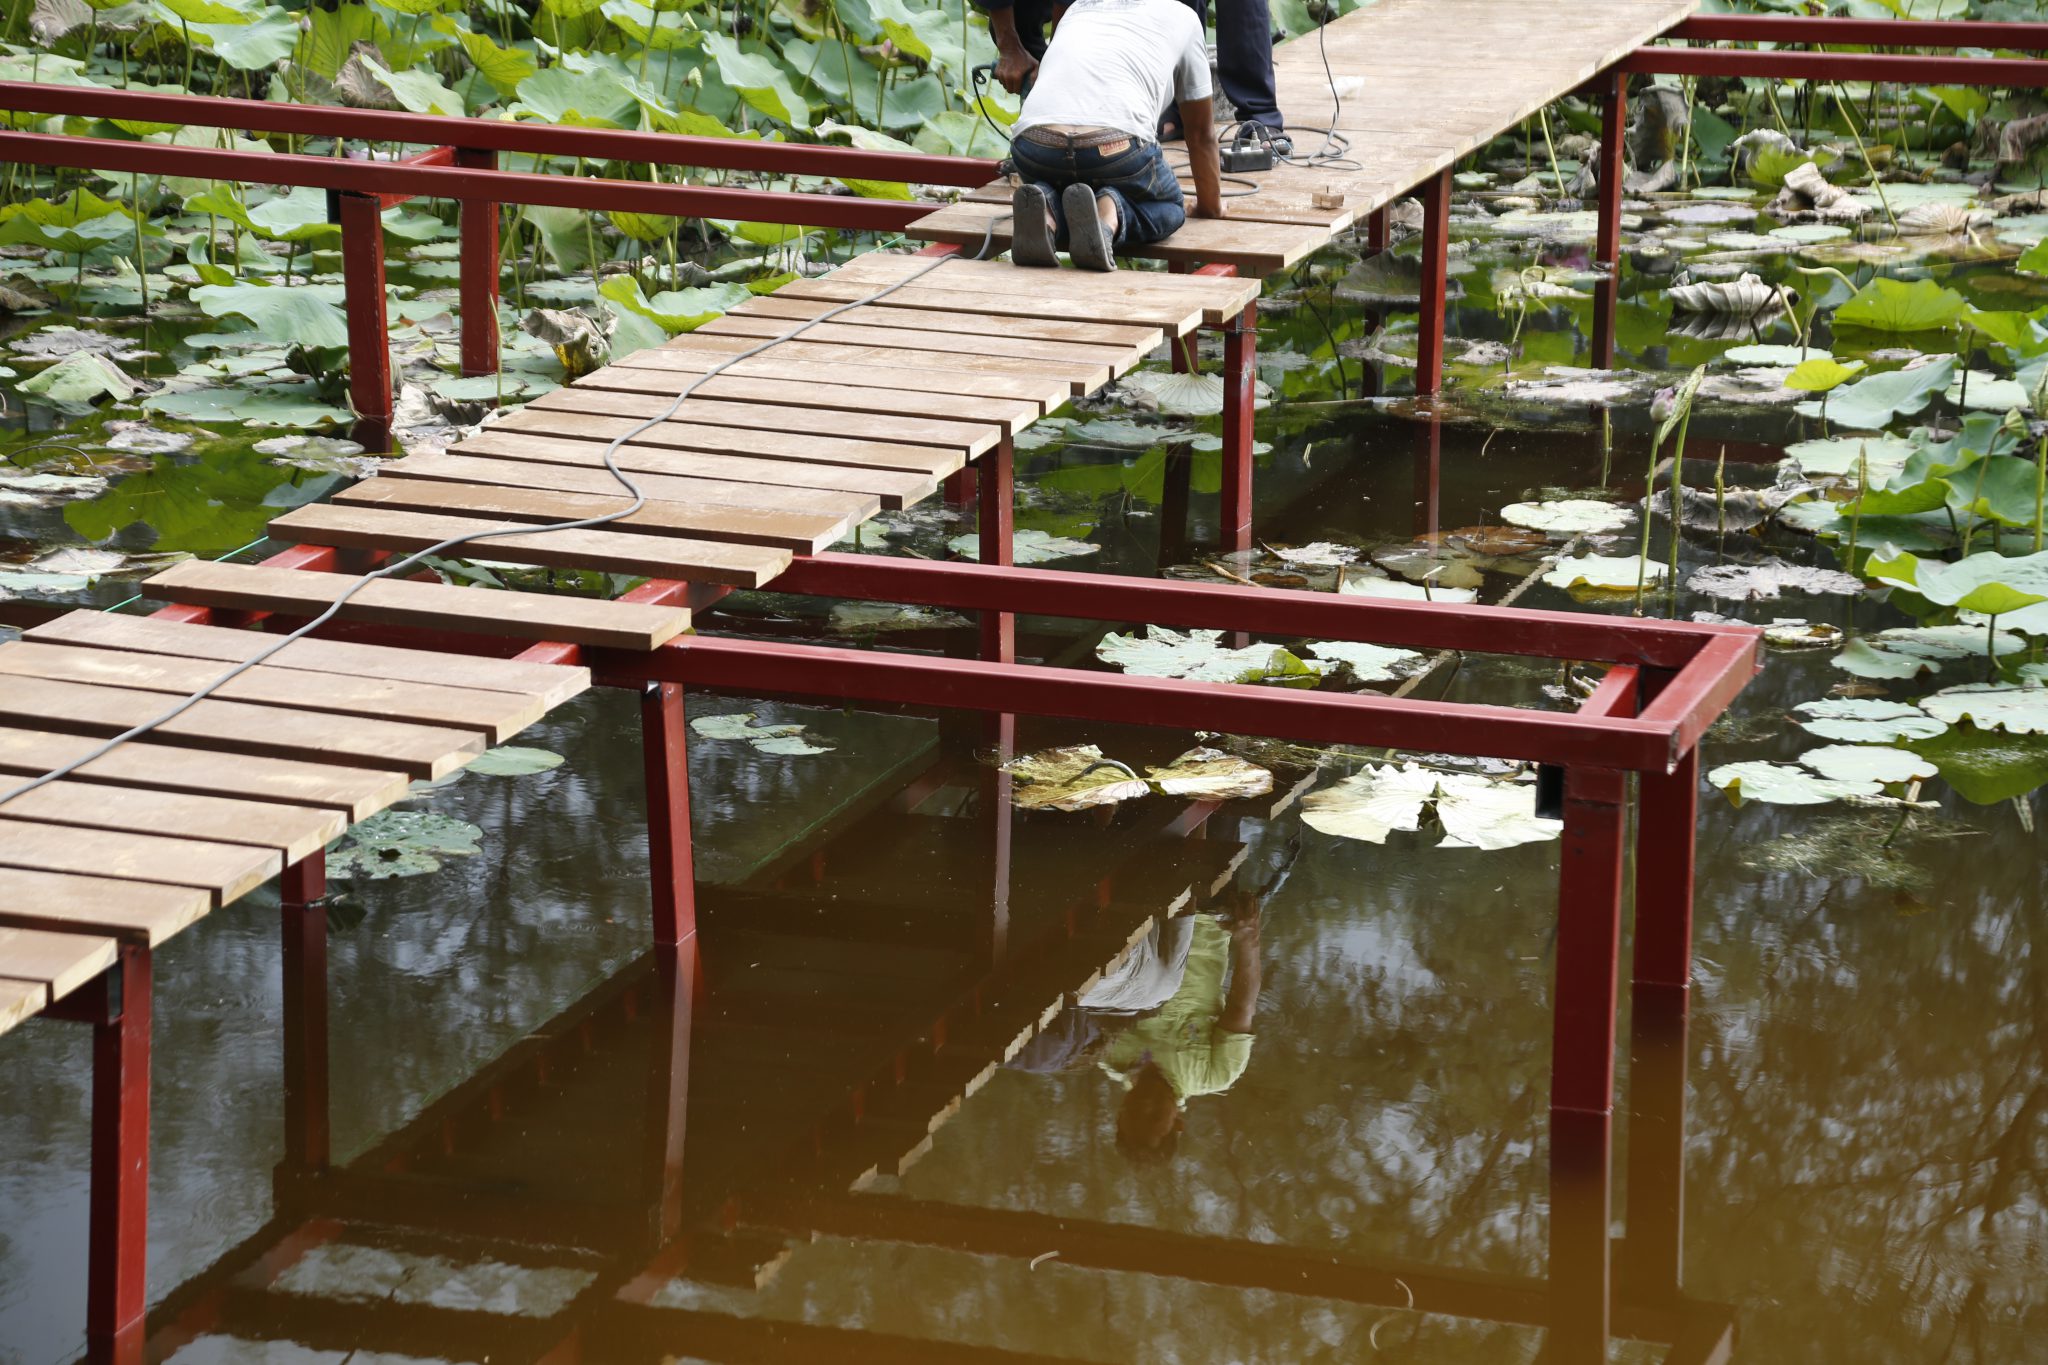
x=1864, y=1169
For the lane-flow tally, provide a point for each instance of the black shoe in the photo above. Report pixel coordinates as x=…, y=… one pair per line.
x=1087, y=242
x=1030, y=236
x=1276, y=139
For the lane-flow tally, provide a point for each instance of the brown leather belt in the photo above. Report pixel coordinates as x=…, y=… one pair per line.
x=1099, y=137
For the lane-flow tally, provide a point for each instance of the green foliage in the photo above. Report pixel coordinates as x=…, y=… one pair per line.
x=1892, y=306
x=677, y=311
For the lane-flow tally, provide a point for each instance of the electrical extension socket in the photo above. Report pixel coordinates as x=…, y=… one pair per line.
x=1246, y=154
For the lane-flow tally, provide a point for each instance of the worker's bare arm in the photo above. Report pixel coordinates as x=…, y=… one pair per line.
x=1198, y=126
x=1014, y=65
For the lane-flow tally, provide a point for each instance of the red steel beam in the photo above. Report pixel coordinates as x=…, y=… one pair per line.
x=1035, y=690
x=1166, y=602
x=498, y=135
x=1693, y=700
x=1751, y=28
x=461, y=183
x=1835, y=66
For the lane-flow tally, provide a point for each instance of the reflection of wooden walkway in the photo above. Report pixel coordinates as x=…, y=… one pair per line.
x=1419, y=84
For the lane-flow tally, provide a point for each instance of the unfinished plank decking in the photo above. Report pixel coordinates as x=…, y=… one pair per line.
x=1392, y=102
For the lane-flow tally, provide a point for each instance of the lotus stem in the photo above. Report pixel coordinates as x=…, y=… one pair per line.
x=1721, y=493
x=1677, y=489
x=1556, y=175
x=1976, y=494
x=1862, y=487
x=2040, y=463
x=1849, y=116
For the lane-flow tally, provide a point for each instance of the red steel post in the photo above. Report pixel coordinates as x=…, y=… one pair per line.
x=118, y=1244
x=1582, y=1061
x=303, y=920
x=1428, y=475
x=479, y=263
x=1430, y=319
x=672, y=872
x=1240, y=374
x=996, y=529
x=1375, y=232
x=1613, y=163
x=369, y=342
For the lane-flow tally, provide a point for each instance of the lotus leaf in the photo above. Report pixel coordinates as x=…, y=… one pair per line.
x=1569, y=516
x=1863, y=720
x=511, y=760
x=2018, y=709
x=1605, y=573
x=1205, y=774
x=1819, y=375
x=305, y=314
x=255, y=45
x=1180, y=395
x=1073, y=778
x=1027, y=547
x=299, y=216
x=504, y=67
x=80, y=380
x=1371, y=663
x=674, y=311
x=785, y=740
x=1321, y=554
x=1765, y=581
x=1987, y=766
x=403, y=843
x=1868, y=763
x=1357, y=583
x=583, y=99
x=1201, y=656
x=1780, y=356
x=1992, y=583
x=1475, y=812
x=760, y=79
x=1781, y=784
x=74, y=225
x=1886, y=305
x=1990, y=393
x=1883, y=456
x=1872, y=402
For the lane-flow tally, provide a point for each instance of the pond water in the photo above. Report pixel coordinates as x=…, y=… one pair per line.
x=1868, y=1143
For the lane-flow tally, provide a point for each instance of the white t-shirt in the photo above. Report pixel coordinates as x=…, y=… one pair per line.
x=1118, y=64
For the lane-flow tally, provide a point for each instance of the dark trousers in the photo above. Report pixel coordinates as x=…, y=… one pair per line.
x=1147, y=194
x=1244, y=56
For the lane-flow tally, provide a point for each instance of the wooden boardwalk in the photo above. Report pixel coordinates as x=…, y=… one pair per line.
x=1418, y=85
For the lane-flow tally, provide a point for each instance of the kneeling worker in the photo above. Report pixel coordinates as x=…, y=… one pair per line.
x=1094, y=180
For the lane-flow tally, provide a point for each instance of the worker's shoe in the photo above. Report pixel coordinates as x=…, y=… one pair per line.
x=1088, y=242
x=1031, y=226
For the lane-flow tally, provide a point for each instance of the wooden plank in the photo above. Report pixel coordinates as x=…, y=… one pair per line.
x=970, y=438
x=423, y=606
x=356, y=793
x=1115, y=359
x=601, y=549
x=1058, y=330
x=1220, y=296
x=860, y=490
x=58, y=962
x=573, y=478
x=553, y=684
x=806, y=366
x=138, y=912
x=294, y=831
x=1062, y=376
x=19, y=1000
x=1176, y=318
x=498, y=715
x=803, y=533
x=1255, y=249
x=1010, y=414
x=419, y=751
x=933, y=461
x=224, y=871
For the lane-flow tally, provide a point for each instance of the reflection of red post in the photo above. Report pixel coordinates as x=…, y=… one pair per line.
x=1428, y=483
x=668, y=1082
x=1659, y=1004
x=672, y=872
x=303, y=920
x=1375, y=232
x=118, y=1006
x=1240, y=356
x=479, y=281
x=369, y=344
x=1430, y=321
x=995, y=525
x=1582, y=1061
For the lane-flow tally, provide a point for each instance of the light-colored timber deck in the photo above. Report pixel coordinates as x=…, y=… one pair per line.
x=1419, y=85
x=779, y=455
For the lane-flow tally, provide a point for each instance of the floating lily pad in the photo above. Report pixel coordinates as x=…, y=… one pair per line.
x=1774, y=356
x=1321, y=554
x=1354, y=583
x=1911, y=650
x=511, y=760
x=1076, y=777
x=873, y=618
x=2017, y=709
x=1027, y=547
x=1474, y=811
x=1206, y=774
x=403, y=843
x=79, y=381
x=1606, y=573
x=1371, y=663
x=1200, y=655
x=1868, y=763
x=1782, y=784
x=1179, y=395
x=1882, y=456
x=1569, y=516
x=1766, y=581
x=1863, y=720
x=785, y=740
x=1986, y=767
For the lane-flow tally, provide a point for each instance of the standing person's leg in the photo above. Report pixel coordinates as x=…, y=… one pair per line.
x=1244, y=60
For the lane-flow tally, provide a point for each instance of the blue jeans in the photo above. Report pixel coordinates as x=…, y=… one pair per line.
x=1148, y=197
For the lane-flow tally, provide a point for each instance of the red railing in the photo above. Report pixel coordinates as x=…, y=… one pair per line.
x=1886, y=67
x=460, y=163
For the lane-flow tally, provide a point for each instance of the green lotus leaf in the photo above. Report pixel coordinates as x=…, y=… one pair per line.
x=1819, y=375
x=254, y=46
x=504, y=67
x=1868, y=763
x=761, y=80
x=1895, y=306
x=674, y=311
x=1988, y=582
x=306, y=314
x=1781, y=784
x=1871, y=403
